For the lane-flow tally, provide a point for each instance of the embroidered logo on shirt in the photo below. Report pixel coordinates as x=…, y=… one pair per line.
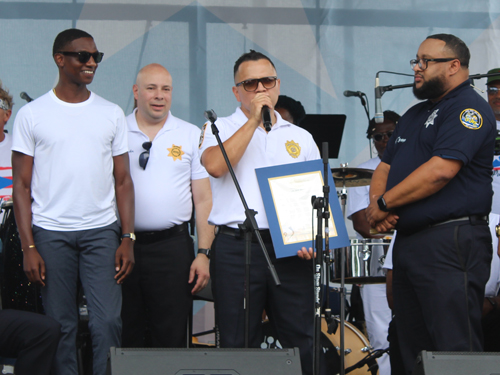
x=471, y=119
x=430, y=119
x=400, y=140
x=202, y=135
x=293, y=149
x=175, y=152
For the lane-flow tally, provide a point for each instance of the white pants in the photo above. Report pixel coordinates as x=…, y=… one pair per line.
x=377, y=316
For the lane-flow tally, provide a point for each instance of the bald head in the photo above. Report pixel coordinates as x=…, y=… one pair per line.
x=153, y=92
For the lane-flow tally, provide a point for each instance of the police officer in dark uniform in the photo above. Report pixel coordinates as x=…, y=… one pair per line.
x=434, y=186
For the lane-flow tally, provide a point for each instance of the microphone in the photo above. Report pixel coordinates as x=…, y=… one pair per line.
x=266, y=118
x=26, y=97
x=210, y=115
x=379, y=114
x=349, y=93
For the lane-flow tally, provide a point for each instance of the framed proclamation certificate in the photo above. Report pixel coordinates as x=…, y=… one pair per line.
x=287, y=191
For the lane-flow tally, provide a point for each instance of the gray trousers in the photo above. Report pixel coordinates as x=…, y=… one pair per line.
x=90, y=256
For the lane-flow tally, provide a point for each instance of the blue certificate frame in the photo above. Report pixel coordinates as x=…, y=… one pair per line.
x=283, y=203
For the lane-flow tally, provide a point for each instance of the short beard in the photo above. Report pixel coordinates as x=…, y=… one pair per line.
x=432, y=89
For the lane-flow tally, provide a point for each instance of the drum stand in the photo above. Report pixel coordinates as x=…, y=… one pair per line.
x=355, y=177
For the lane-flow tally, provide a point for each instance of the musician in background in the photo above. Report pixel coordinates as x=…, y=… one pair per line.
x=6, y=104
x=291, y=110
x=376, y=311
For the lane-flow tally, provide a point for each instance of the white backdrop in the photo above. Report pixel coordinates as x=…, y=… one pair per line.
x=320, y=49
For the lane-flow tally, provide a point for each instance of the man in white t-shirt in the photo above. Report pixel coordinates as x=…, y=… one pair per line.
x=168, y=178
x=376, y=310
x=71, y=157
x=249, y=145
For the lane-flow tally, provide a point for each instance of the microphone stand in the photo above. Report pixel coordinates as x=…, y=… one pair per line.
x=321, y=205
x=381, y=90
x=248, y=226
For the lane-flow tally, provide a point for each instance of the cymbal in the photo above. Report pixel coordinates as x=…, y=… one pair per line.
x=351, y=177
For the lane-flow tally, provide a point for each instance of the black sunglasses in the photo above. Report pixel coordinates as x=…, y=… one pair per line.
x=378, y=137
x=84, y=56
x=144, y=156
x=251, y=85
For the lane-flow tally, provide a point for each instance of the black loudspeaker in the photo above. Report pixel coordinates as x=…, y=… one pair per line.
x=204, y=362
x=457, y=363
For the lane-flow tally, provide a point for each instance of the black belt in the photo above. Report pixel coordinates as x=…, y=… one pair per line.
x=473, y=219
x=155, y=236
x=239, y=234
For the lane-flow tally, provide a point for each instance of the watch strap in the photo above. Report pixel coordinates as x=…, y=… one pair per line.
x=129, y=235
x=205, y=251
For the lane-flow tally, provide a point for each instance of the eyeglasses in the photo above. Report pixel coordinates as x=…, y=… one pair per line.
x=422, y=63
x=493, y=90
x=251, y=85
x=378, y=137
x=144, y=156
x=84, y=56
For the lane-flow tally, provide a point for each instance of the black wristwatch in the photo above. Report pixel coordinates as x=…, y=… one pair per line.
x=381, y=204
x=204, y=251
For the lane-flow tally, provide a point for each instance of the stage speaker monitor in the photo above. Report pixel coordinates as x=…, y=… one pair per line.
x=204, y=361
x=457, y=363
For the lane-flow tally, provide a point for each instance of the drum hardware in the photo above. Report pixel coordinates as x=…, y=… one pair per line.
x=364, y=260
x=357, y=345
x=351, y=177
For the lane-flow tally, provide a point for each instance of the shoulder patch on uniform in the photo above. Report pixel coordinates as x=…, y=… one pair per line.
x=293, y=149
x=202, y=135
x=471, y=119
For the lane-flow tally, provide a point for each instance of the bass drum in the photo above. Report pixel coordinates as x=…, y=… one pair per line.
x=357, y=347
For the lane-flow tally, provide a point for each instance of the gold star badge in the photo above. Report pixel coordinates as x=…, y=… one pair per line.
x=175, y=152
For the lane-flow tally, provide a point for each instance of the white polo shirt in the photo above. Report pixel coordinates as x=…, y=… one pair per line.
x=72, y=145
x=264, y=150
x=163, y=189
x=358, y=198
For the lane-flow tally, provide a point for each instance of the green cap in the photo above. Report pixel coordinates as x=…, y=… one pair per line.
x=493, y=78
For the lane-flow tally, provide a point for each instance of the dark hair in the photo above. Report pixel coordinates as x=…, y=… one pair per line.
x=250, y=56
x=388, y=116
x=293, y=106
x=67, y=36
x=456, y=45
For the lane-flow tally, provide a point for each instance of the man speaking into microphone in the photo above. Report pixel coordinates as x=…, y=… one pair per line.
x=249, y=145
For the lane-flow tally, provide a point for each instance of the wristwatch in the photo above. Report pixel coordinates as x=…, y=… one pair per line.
x=381, y=204
x=129, y=235
x=205, y=251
